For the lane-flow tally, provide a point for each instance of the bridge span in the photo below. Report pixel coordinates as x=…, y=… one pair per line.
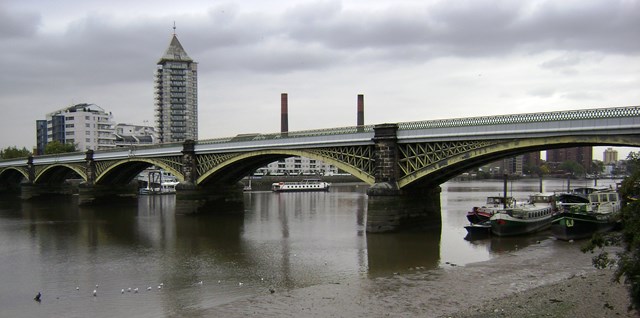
x=403, y=162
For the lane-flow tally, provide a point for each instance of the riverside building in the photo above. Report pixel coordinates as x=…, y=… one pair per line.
x=88, y=126
x=176, y=95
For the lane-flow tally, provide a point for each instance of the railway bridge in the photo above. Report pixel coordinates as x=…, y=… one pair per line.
x=403, y=162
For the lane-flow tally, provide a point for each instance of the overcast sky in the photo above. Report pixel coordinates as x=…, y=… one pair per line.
x=412, y=59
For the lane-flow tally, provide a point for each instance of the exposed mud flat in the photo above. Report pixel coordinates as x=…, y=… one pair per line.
x=551, y=278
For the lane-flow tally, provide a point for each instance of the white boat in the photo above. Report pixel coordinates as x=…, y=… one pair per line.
x=533, y=216
x=304, y=185
x=158, y=182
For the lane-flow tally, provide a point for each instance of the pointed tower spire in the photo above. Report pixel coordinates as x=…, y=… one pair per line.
x=175, y=51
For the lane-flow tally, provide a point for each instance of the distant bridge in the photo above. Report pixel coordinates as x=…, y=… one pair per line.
x=398, y=160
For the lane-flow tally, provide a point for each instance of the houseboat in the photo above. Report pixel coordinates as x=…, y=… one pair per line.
x=582, y=220
x=533, y=216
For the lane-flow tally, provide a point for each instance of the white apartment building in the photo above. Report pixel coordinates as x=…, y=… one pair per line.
x=134, y=135
x=88, y=126
x=298, y=166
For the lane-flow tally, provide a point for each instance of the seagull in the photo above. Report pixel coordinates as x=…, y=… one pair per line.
x=38, y=296
x=159, y=286
x=149, y=288
x=95, y=293
x=162, y=284
x=199, y=283
x=122, y=291
x=129, y=289
x=240, y=284
x=96, y=285
x=271, y=290
x=77, y=288
x=135, y=290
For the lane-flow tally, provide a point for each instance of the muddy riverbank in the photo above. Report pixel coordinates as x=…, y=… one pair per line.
x=551, y=277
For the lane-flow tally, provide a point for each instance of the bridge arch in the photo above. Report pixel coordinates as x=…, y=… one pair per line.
x=238, y=166
x=12, y=176
x=440, y=171
x=123, y=171
x=59, y=172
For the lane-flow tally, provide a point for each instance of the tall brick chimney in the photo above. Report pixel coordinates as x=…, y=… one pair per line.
x=284, y=113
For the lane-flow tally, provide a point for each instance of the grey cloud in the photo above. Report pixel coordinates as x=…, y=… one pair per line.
x=16, y=24
x=565, y=60
x=543, y=92
x=99, y=49
x=475, y=28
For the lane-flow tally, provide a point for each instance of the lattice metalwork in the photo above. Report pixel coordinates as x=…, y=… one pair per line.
x=102, y=166
x=23, y=170
x=359, y=157
x=598, y=113
x=413, y=157
x=174, y=162
x=79, y=168
x=210, y=161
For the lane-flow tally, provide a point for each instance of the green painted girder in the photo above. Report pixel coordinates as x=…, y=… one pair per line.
x=356, y=160
x=22, y=170
x=421, y=160
x=78, y=168
x=172, y=164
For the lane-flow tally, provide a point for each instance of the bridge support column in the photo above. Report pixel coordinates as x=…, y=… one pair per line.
x=193, y=198
x=391, y=210
x=389, y=207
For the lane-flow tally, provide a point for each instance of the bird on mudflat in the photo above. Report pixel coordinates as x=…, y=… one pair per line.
x=38, y=297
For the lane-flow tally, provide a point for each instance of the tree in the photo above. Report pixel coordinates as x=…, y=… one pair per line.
x=58, y=147
x=572, y=167
x=14, y=152
x=627, y=261
x=597, y=167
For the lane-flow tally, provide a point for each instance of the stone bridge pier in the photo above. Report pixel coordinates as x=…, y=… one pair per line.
x=91, y=193
x=389, y=207
x=193, y=198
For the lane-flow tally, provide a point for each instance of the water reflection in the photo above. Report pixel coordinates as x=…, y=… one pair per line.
x=499, y=245
x=399, y=252
x=282, y=241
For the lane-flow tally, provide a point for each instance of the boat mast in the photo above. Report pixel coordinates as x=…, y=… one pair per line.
x=504, y=192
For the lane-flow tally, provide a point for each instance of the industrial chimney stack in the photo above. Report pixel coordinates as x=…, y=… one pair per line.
x=360, y=110
x=284, y=113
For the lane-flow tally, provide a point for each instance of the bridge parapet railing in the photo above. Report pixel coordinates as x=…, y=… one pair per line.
x=596, y=113
x=290, y=134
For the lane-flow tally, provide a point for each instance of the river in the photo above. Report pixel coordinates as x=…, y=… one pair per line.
x=193, y=265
